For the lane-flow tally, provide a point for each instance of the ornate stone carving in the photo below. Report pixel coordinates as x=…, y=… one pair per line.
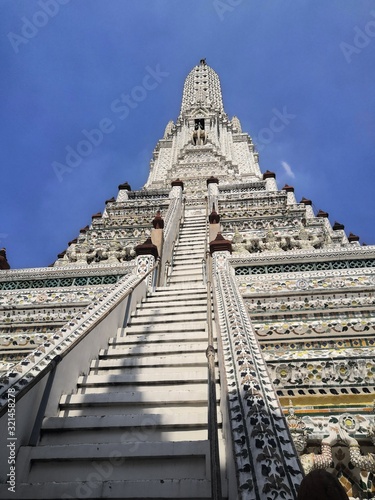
x=312, y=461
x=363, y=462
x=253, y=405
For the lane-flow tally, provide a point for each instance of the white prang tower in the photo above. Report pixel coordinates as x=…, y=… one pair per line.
x=207, y=336
x=203, y=142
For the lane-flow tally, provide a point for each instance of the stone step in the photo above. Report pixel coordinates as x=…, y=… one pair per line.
x=185, y=249
x=156, y=308
x=158, y=489
x=182, y=266
x=129, y=409
x=135, y=377
x=196, y=394
x=187, y=260
x=174, y=297
x=200, y=223
x=170, y=460
x=156, y=388
x=159, y=360
x=121, y=434
x=189, y=229
x=189, y=252
x=160, y=417
x=193, y=266
x=169, y=303
x=191, y=243
x=144, y=371
x=191, y=279
x=192, y=263
x=155, y=349
x=185, y=271
x=163, y=291
x=192, y=236
x=192, y=221
x=193, y=230
x=118, y=435
x=164, y=318
x=191, y=240
x=189, y=221
x=129, y=338
x=182, y=270
x=188, y=284
x=192, y=260
x=163, y=327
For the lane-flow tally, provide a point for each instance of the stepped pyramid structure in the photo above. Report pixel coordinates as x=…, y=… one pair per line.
x=207, y=336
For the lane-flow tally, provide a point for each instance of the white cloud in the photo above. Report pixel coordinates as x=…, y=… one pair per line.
x=288, y=169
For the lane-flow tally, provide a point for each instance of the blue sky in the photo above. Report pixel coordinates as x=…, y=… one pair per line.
x=64, y=63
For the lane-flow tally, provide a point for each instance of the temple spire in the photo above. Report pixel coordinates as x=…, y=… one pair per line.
x=202, y=89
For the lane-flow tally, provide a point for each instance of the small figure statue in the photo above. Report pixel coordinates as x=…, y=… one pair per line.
x=199, y=135
x=303, y=240
x=271, y=244
x=129, y=252
x=237, y=243
x=82, y=253
x=114, y=252
x=297, y=429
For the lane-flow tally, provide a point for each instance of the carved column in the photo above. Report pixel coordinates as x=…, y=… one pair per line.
x=291, y=199
x=213, y=192
x=123, y=190
x=270, y=178
x=309, y=210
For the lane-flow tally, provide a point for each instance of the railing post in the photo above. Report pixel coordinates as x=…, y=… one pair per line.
x=147, y=255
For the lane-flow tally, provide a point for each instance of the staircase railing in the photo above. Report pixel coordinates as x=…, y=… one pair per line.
x=213, y=436
x=171, y=228
x=169, y=264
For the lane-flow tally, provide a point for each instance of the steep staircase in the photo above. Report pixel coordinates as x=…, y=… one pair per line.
x=137, y=425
